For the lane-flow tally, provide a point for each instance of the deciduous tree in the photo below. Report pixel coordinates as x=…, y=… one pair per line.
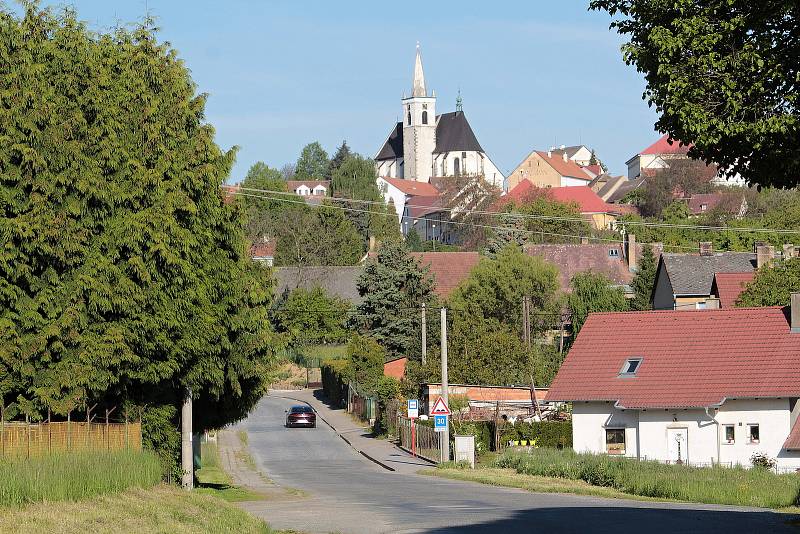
x=773, y=285
x=313, y=163
x=723, y=75
x=593, y=292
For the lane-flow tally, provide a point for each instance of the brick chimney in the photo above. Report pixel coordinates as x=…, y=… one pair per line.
x=631, y=252
x=789, y=251
x=765, y=254
x=706, y=248
x=794, y=313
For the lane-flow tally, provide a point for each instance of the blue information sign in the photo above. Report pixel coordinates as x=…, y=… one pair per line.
x=440, y=423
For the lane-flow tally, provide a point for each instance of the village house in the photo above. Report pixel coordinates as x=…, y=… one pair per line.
x=486, y=400
x=685, y=280
x=691, y=387
x=600, y=214
x=309, y=188
x=263, y=251
x=702, y=203
x=616, y=261
x=549, y=169
x=614, y=188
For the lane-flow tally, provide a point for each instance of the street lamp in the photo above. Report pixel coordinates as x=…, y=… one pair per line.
x=434, y=238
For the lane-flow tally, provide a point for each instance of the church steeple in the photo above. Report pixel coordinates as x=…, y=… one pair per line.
x=419, y=77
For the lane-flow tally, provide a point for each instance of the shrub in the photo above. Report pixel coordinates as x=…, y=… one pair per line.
x=762, y=460
x=557, y=434
x=336, y=375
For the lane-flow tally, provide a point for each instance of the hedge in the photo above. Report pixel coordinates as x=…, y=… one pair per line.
x=336, y=375
x=555, y=434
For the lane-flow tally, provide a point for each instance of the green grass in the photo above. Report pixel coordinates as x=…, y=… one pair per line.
x=75, y=476
x=717, y=485
x=211, y=471
x=159, y=509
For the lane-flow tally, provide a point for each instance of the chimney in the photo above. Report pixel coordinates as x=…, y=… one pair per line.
x=712, y=304
x=584, y=240
x=706, y=248
x=372, y=243
x=789, y=251
x=631, y=252
x=794, y=313
x=564, y=155
x=764, y=255
x=549, y=152
x=563, y=147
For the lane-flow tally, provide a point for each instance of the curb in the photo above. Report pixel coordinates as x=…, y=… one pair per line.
x=364, y=454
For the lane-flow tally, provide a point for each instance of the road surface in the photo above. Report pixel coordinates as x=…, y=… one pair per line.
x=349, y=494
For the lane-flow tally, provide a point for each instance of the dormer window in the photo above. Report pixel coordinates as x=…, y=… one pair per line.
x=630, y=367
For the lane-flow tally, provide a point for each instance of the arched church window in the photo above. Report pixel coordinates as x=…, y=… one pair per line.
x=409, y=118
x=424, y=117
x=456, y=167
x=444, y=166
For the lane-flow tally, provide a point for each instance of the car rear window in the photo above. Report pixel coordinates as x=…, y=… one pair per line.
x=301, y=409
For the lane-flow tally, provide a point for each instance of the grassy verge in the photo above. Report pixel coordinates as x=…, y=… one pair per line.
x=75, y=476
x=159, y=509
x=550, y=470
x=213, y=480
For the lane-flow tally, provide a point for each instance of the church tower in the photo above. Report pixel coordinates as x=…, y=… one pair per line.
x=419, y=128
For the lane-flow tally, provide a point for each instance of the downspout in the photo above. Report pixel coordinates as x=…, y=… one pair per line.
x=719, y=461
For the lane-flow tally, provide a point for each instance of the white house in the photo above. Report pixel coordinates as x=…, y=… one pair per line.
x=306, y=188
x=693, y=387
x=424, y=145
x=402, y=192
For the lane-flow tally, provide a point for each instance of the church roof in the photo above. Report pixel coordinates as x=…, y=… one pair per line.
x=454, y=134
x=393, y=147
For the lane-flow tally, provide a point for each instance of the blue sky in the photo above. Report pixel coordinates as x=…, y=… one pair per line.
x=283, y=73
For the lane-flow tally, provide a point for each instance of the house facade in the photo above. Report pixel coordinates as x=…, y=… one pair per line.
x=308, y=188
x=549, y=169
x=691, y=387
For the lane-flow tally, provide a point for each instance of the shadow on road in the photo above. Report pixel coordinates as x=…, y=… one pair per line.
x=634, y=520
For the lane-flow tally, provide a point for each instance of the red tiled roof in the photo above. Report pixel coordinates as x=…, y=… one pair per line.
x=696, y=358
x=412, y=187
x=664, y=146
x=421, y=206
x=597, y=170
x=449, y=269
x=564, y=168
x=792, y=443
x=709, y=200
x=582, y=195
x=728, y=286
x=573, y=259
x=263, y=249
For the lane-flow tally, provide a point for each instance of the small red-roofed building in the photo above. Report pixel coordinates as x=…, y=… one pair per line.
x=691, y=387
x=728, y=286
x=263, y=251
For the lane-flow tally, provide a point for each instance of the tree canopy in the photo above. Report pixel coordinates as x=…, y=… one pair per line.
x=723, y=76
x=644, y=281
x=311, y=316
x=312, y=164
x=262, y=213
x=342, y=154
x=593, y=292
x=123, y=275
x=393, y=287
x=320, y=235
x=772, y=285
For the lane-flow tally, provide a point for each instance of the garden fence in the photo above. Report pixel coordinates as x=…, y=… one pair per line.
x=427, y=439
x=24, y=440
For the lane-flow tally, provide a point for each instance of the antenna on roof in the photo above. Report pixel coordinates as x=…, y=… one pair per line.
x=459, y=106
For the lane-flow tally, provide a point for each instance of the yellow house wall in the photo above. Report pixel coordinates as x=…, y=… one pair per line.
x=535, y=170
x=687, y=303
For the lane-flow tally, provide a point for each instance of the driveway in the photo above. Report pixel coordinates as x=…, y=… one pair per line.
x=348, y=493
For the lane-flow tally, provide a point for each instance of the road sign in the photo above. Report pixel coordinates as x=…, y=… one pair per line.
x=440, y=407
x=413, y=408
x=440, y=423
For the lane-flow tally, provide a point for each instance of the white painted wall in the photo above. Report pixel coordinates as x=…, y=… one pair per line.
x=646, y=431
x=582, y=156
x=419, y=140
x=567, y=181
x=392, y=193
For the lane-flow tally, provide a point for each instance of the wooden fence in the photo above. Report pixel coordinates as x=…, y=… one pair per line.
x=24, y=440
x=428, y=441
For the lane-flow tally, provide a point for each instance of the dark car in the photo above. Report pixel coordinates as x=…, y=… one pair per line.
x=301, y=416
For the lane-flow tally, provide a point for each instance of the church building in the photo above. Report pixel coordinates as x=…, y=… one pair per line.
x=425, y=145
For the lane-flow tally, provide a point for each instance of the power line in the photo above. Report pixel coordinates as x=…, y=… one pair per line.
x=468, y=224
x=647, y=224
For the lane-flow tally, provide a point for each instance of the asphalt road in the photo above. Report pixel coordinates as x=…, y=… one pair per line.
x=349, y=494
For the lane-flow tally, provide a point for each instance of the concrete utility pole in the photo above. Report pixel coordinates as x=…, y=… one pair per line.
x=187, y=458
x=445, y=388
x=424, y=336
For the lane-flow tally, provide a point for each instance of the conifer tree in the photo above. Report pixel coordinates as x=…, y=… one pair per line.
x=123, y=275
x=644, y=280
x=342, y=154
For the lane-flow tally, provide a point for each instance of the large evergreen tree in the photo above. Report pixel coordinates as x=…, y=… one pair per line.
x=393, y=287
x=123, y=275
x=593, y=292
x=343, y=153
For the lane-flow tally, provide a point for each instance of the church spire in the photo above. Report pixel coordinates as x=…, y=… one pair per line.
x=419, y=77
